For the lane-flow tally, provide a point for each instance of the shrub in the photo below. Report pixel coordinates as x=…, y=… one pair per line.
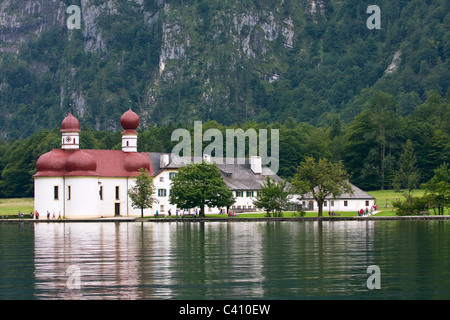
x=410, y=208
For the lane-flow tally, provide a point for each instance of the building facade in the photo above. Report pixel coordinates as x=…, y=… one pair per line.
x=353, y=201
x=75, y=183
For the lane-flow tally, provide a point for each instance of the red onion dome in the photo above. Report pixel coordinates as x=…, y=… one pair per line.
x=53, y=161
x=70, y=124
x=129, y=120
x=133, y=161
x=80, y=161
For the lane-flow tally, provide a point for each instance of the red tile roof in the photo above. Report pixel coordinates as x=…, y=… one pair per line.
x=103, y=163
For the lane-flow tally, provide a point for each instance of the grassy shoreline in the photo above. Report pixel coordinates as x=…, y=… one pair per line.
x=11, y=206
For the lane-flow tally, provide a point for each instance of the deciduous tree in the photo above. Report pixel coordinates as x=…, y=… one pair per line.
x=200, y=185
x=274, y=197
x=321, y=179
x=437, y=190
x=142, y=194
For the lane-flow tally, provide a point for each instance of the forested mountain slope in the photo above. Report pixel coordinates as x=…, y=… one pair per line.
x=175, y=61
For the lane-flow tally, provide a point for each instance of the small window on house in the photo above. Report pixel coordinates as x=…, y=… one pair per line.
x=162, y=208
x=69, y=189
x=367, y=203
x=172, y=175
x=332, y=203
x=161, y=179
x=345, y=203
x=162, y=192
x=249, y=194
x=325, y=203
x=117, y=193
x=56, y=192
x=100, y=193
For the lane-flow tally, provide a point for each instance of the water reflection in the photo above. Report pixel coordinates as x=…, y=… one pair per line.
x=104, y=253
x=239, y=260
x=202, y=260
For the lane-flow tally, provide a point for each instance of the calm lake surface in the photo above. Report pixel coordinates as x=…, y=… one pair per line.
x=220, y=260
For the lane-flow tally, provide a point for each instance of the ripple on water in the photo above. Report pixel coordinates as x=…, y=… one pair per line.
x=241, y=260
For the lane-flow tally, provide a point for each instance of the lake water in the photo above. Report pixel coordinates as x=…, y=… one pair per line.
x=220, y=260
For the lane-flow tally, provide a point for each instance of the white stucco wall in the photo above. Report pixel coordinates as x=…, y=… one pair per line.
x=84, y=200
x=83, y=197
x=339, y=205
x=163, y=182
x=44, y=196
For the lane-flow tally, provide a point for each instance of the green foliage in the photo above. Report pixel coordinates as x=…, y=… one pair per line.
x=356, y=144
x=274, y=197
x=411, y=207
x=437, y=190
x=142, y=194
x=321, y=179
x=407, y=176
x=436, y=196
x=200, y=185
x=224, y=61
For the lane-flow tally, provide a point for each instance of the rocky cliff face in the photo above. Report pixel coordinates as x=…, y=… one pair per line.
x=224, y=60
x=22, y=21
x=207, y=43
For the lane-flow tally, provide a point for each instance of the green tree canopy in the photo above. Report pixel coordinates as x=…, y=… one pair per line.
x=142, y=194
x=200, y=185
x=274, y=197
x=437, y=190
x=407, y=175
x=321, y=179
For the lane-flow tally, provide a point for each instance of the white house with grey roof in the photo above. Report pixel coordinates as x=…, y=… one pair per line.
x=244, y=177
x=354, y=201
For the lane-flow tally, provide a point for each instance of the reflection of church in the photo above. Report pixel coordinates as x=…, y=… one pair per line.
x=89, y=183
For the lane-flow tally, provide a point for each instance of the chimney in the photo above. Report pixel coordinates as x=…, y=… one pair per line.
x=256, y=164
x=163, y=160
x=207, y=158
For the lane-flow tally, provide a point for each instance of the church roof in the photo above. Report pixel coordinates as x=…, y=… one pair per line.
x=88, y=162
x=70, y=124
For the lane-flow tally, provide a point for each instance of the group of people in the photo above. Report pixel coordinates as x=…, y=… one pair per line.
x=363, y=212
x=177, y=212
x=35, y=215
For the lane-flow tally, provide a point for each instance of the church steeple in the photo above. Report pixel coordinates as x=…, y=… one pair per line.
x=70, y=129
x=129, y=122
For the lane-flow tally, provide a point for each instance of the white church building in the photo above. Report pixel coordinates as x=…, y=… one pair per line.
x=89, y=183
x=74, y=183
